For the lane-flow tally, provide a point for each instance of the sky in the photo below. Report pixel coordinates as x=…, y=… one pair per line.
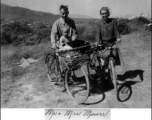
x=118, y=8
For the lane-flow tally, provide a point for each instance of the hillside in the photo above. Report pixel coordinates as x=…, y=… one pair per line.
x=10, y=12
x=80, y=16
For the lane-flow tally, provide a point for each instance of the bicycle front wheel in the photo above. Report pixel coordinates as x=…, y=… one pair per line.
x=53, y=72
x=77, y=84
x=113, y=76
x=91, y=67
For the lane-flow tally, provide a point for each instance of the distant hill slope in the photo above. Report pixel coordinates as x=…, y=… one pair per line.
x=79, y=16
x=10, y=12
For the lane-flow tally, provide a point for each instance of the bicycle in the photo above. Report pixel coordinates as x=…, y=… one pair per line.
x=109, y=64
x=74, y=76
x=53, y=67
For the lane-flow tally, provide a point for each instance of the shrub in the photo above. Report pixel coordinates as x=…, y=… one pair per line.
x=123, y=26
x=81, y=29
x=90, y=31
x=140, y=21
x=14, y=33
x=87, y=31
x=19, y=39
x=18, y=32
x=32, y=40
x=43, y=34
x=18, y=28
x=6, y=37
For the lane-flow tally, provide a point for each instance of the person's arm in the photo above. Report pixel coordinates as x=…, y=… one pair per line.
x=74, y=32
x=116, y=31
x=98, y=37
x=61, y=42
x=54, y=35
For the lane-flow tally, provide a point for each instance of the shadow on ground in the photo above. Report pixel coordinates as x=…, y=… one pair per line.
x=131, y=75
x=100, y=85
x=125, y=89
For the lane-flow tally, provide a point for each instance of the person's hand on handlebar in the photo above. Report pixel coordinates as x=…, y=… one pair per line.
x=86, y=42
x=53, y=46
x=96, y=43
x=93, y=45
x=57, y=50
x=118, y=40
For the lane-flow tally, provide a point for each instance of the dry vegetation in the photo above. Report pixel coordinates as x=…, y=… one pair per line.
x=19, y=32
x=30, y=87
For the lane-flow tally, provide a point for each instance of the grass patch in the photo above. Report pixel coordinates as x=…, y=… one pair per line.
x=11, y=54
x=17, y=73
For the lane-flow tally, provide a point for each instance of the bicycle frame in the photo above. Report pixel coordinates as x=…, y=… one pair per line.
x=59, y=52
x=109, y=63
x=62, y=60
x=98, y=49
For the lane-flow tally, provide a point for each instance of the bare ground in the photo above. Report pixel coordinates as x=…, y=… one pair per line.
x=30, y=87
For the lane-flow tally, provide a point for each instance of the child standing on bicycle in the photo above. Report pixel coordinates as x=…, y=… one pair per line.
x=64, y=40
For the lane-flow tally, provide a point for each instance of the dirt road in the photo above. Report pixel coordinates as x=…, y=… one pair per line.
x=33, y=90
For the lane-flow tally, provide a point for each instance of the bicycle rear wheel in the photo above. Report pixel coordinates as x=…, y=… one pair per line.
x=77, y=84
x=113, y=76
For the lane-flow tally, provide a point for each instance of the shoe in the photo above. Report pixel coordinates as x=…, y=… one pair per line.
x=121, y=82
x=61, y=85
x=61, y=88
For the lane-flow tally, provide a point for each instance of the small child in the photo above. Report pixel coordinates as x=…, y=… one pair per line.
x=64, y=40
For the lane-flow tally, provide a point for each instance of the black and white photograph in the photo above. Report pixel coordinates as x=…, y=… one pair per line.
x=76, y=54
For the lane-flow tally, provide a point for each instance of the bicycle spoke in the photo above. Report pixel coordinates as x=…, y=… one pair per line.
x=77, y=85
x=124, y=93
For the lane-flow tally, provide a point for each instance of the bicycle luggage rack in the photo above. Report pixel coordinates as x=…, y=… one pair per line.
x=73, y=58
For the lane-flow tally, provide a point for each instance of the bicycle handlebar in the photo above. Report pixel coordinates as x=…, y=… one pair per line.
x=72, y=49
x=108, y=46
